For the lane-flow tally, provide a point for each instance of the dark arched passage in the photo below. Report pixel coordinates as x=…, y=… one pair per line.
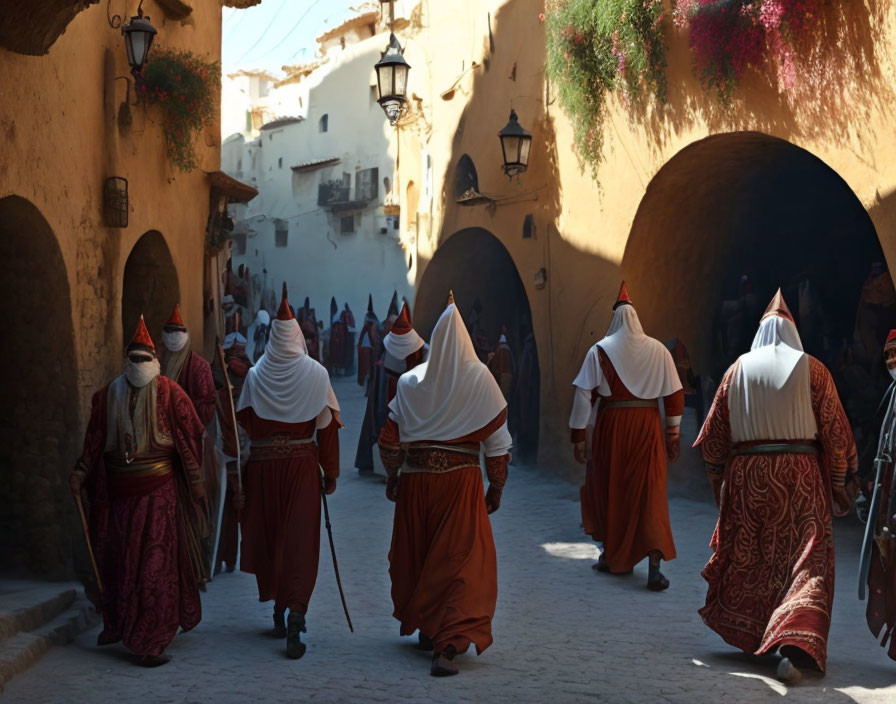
x=39, y=416
x=747, y=204
x=490, y=295
x=150, y=286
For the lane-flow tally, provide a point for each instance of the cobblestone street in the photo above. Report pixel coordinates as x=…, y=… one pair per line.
x=563, y=633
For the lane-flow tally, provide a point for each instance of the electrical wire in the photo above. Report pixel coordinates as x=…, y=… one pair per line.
x=262, y=35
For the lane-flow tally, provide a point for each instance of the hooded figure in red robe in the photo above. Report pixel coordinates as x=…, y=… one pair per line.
x=442, y=561
x=291, y=415
x=369, y=343
x=502, y=366
x=777, y=447
x=192, y=373
x=140, y=469
x=623, y=380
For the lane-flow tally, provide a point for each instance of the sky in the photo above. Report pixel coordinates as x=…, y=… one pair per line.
x=278, y=32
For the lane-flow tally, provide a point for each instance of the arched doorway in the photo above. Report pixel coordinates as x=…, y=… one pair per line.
x=39, y=418
x=150, y=286
x=750, y=205
x=490, y=295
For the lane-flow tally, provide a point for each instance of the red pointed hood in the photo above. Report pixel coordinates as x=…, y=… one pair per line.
x=141, y=339
x=891, y=340
x=175, y=322
x=285, y=312
x=402, y=325
x=778, y=307
x=622, y=299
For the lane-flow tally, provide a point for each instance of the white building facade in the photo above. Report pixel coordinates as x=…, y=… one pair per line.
x=326, y=220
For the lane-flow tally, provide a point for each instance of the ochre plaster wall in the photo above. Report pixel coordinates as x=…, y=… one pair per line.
x=60, y=138
x=844, y=117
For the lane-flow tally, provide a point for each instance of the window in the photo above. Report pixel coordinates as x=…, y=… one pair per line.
x=323, y=123
x=281, y=233
x=280, y=162
x=347, y=224
x=367, y=184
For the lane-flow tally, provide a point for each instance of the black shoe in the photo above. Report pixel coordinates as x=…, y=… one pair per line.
x=656, y=582
x=424, y=642
x=295, y=625
x=601, y=564
x=279, y=624
x=443, y=664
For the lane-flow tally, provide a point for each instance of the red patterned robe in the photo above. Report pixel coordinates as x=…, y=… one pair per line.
x=771, y=577
x=138, y=518
x=624, y=498
x=442, y=560
x=281, y=521
x=196, y=379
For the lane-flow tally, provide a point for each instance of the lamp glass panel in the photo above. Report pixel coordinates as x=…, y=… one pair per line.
x=525, y=145
x=386, y=75
x=401, y=80
x=511, y=149
x=138, y=48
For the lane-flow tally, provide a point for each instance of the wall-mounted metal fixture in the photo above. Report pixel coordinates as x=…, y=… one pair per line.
x=115, y=201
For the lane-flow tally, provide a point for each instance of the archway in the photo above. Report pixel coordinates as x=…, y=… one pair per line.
x=747, y=204
x=39, y=419
x=150, y=286
x=490, y=295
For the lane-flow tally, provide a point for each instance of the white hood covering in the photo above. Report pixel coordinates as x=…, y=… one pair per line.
x=403, y=346
x=287, y=385
x=643, y=364
x=451, y=395
x=770, y=395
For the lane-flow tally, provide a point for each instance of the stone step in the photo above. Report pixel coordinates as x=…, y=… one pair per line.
x=22, y=650
x=26, y=605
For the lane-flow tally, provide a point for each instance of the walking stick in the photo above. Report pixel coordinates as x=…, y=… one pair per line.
x=323, y=496
x=236, y=436
x=96, y=572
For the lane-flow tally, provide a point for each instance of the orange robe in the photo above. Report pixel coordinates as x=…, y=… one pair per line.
x=624, y=502
x=281, y=521
x=442, y=561
x=771, y=576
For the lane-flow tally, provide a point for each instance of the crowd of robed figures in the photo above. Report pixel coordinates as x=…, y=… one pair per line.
x=776, y=442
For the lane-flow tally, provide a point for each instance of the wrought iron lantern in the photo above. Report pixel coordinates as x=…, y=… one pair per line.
x=115, y=201
x=392, y=79
x=515, y=145
x=138, y=36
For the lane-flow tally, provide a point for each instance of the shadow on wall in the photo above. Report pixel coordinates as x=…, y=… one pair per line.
x=39, y=420
x=523, y=217
x=150, y=287
x=838, y=83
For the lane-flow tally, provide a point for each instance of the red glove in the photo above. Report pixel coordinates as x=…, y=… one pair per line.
x=493, y=498
x=328, y=485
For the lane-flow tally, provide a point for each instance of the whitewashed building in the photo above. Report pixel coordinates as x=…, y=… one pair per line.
x=327, y=218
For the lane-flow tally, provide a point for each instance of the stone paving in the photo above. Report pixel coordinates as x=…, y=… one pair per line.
x=563, y=633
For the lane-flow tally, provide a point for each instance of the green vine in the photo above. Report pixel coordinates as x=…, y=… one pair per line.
x=185, y=88
x=595, y=47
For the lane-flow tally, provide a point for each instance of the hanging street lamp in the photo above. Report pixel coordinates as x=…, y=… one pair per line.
x=138, y=35
x=392, y=80
x=515, y=145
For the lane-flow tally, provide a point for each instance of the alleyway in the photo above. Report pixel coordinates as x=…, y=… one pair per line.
x=563, y=633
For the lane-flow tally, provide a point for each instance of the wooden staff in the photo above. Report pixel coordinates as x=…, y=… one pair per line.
x=96, y=571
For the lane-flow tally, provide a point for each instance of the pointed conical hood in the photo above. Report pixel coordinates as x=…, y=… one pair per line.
x=402, y=325
x=891, y=340
x=393, y=305
x=450, y=300
x=370, y=304
x=622, y=299
x=334, y=309
x=285, y=312
x=778, y=307
x=175, y=322
x=141, y=339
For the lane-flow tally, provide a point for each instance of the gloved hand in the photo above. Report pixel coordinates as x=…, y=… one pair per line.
x=75, y=482
x=328, y=485
x=493, y=498
x=578, y=451
x=392, y=488
x=673, y=444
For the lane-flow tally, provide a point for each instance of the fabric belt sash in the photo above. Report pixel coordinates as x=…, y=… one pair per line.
x=141, y=476
x=431, y=458
x=280, y=447
x=776, y=448
x=634, y=403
